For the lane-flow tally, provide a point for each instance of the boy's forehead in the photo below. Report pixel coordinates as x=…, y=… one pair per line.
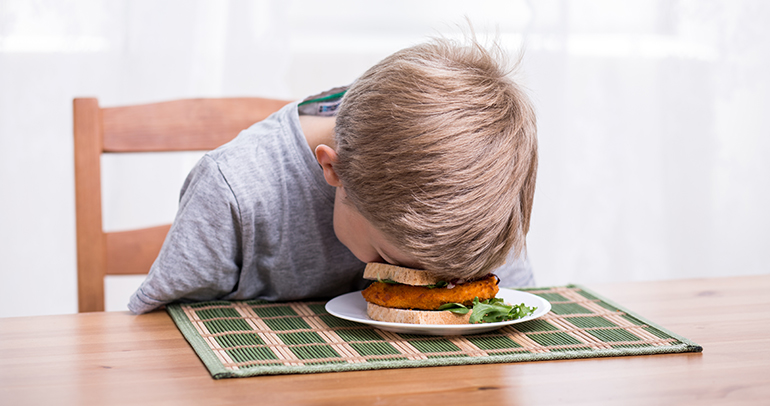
x=392, y=253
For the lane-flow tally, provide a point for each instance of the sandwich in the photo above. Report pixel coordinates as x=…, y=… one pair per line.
x=404, y=295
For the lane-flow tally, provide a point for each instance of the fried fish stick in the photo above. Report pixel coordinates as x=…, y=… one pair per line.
x=423, y=298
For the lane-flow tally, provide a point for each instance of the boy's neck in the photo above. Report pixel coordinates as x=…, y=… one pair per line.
x=317, y=130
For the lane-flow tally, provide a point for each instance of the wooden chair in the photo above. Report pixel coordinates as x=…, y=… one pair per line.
x=182, y=125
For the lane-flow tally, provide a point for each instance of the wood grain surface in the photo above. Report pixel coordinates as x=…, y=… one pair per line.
x=182, y=125
x=120, y=359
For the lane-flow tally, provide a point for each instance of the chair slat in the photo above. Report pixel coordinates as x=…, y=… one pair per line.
x=182, y=125
x=133, y=252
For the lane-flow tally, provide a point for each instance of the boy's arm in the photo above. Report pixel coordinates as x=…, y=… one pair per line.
x=200, y=259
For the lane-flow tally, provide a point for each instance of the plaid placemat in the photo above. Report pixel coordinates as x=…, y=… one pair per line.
x=248, y=338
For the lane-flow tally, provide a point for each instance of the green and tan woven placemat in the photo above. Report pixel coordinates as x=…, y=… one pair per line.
x=249, y=338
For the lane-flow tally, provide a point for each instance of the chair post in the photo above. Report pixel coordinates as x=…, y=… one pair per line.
x=91, y=252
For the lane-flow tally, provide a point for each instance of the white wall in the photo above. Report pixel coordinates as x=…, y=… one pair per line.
x=652, y=115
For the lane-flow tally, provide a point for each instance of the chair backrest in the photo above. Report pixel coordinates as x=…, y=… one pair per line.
x=181, y=125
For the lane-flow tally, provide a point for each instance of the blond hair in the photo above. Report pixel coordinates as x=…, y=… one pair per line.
x=437, y=149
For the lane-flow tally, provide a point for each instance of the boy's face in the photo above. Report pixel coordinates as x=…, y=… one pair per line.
x=365, y=242
x=362, y=239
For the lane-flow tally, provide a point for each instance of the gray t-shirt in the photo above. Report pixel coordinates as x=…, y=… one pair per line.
x=255, y=222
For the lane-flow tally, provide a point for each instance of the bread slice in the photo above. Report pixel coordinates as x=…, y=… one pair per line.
x=378, y=271
x=392, y=315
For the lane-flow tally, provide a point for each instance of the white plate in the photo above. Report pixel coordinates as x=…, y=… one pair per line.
x=352, y=306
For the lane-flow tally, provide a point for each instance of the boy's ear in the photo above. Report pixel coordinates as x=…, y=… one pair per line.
x=327, y=157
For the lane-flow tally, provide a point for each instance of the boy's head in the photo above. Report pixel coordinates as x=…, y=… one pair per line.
x=436, y=148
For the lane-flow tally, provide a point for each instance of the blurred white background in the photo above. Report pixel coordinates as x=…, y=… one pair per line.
x=653, y=120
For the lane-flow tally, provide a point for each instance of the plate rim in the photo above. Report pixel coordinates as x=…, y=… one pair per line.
x=448, y=327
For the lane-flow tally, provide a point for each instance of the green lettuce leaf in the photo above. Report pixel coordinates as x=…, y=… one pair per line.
x=490, y=310
x=454, y=308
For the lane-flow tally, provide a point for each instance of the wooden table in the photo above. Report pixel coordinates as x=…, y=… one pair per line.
x=117, y=358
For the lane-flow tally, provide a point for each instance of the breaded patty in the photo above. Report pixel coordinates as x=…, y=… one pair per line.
x=423, y=298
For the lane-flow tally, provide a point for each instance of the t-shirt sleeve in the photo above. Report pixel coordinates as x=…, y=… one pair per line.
x=201, y=256
x=516, y=272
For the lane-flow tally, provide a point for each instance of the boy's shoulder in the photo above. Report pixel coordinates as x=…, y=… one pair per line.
x=269, y=155
x=281, y=129
x=262, y=140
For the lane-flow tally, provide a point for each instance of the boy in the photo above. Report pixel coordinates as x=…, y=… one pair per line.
x=429, y=162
